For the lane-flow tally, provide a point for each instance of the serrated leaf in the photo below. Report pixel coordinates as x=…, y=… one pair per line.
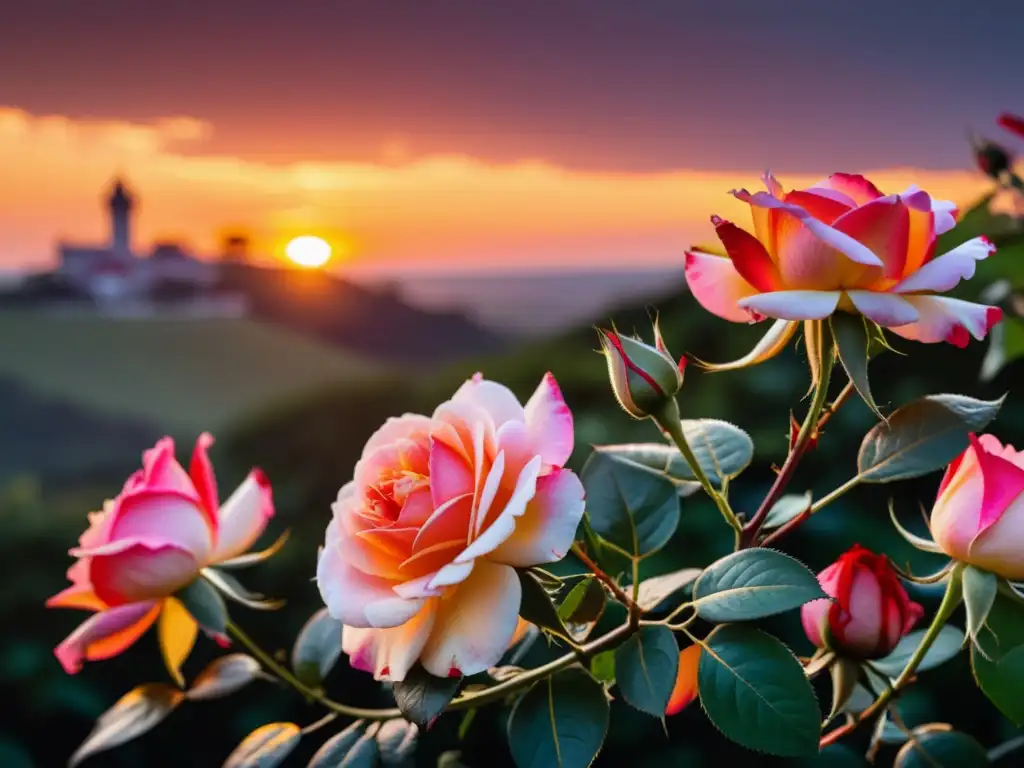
x=560, y=721
x=752, y=584
x=754, y=690
x=132, y=715
x=938, y=746
x=254, y=558
x=979, y=591
x=584, y=604
x=396, y=740
x=628, y=505
x=422, y=697
x=266, y=747
x=234, y=590
x=786, y=508
x=602, y=666
x=645, y=669
x=536, y=606
x=317, y=648
x=342, y=750
x=998, y=658
x=656, y=590
x=922, y=436
x=947, y=645
x=223, y=676
x=853, y=344
x=206, y=606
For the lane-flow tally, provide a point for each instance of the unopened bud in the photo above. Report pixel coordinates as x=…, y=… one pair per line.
x=645, y=379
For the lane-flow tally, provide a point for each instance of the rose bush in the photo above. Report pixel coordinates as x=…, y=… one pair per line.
x=419, y=554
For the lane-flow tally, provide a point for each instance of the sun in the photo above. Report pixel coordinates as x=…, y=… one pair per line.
x=309, y=251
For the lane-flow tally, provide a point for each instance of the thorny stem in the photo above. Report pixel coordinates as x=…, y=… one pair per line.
x=824, y=501
x=803, y=439
x=950, y=600
x=608, y=581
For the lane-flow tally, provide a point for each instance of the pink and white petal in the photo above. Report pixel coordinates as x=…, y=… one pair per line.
x=389, y=653
x=474, y=625
x=793, y=305
x=244, y=516
x=495, y=398
x=883, y=225
x=448, y=522
x=417, y=508
x=717, y=286
x=943, y=211
x=360, y=645
x=106, y=634
x=164, y=516
x=1003, y=482
x=201, y=473
x=946, y=319
x=515, y=441
x=451, y=574
x=547, y=529
x=409, y=425
x=505, y=521
x=852, y=186
x=129, y=571
x=358, y=599
x=162, y=471
x=945, y=272
x=450, y=475
x=549, y=422
x=488, y=493
x=886, y=309
x=418, y=587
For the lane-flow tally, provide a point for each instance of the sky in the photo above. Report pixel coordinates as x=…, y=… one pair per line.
x=414, y=134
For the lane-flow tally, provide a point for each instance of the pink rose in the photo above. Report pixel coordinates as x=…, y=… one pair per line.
x=978, y=517
x=842, y=245
x=152, y=540
x=870, y=610
x=419, y=556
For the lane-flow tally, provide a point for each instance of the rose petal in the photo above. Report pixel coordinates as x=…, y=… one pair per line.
x=945, y=272
x=389, y=653
x=160, y=470
x=475, y=624
x=946, y=319
x=505, y=522
x=129, y=571
x=886, y=309
x=717, y=286
x=409, y=425
x=748, y=256
x=450, y=475
x=166, y=516
x=883, y=225
x=244, y=516
x=549, y=422
x=201, y=473
x=853, y=186
x=494, y=398
x=106, y=634
x=793, y=305
x=177, y=632
x=547, y=529
x=76, y=596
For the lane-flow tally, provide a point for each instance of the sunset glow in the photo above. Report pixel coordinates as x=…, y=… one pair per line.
x=309, y=251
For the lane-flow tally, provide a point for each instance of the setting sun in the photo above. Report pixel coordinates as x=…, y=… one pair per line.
x=309, y=251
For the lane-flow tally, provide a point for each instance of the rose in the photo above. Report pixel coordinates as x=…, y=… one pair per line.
x=842, y=245
x=419, y=555
x=870, y=610
x=978, y=517
x=164, y=527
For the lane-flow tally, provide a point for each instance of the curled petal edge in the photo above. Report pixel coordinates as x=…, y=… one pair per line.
x=773, y=342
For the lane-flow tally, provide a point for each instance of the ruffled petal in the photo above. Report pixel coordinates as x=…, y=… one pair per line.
x=946, y=319
x=106, y=634
x=475, y=624
x=945, y=272
x=793, y=305
x=547, y=529
x=129, y=571
x=244, y=516
x=886, y=309
x=549, y=422
x=717, y=286
x=494, y=398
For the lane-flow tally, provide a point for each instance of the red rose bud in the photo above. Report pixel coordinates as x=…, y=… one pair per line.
x=644, y=378
x=870, y=610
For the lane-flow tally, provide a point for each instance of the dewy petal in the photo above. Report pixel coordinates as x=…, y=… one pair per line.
x=547, y=528
x=505, y=522
x=475, y=624
x=748, y=256
x=773, y=342
x=244, y=517
x=106, y=634
x=946, y=319
x=717, y=286
x=886, y=309
x=201, y=473
x=496, y=399
x=549, y=422
x=883, y=225
x=793, y=305
x=163, y=516
x=945, y=272
x=129, y=571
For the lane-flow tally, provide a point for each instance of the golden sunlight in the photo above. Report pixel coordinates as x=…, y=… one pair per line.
x=309, y=251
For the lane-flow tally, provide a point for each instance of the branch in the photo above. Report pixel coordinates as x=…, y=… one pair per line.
x=607, y=580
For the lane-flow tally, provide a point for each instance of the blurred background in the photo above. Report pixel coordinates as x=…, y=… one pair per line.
x=285, y=222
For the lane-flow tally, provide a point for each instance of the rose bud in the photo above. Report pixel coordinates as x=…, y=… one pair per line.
x=978, y=517
x=645, y=379
x=870, y=610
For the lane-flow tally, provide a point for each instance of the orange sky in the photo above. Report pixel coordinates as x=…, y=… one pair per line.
x=449, y=209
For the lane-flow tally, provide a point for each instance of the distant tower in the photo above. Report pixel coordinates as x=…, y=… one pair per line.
x=121, y=204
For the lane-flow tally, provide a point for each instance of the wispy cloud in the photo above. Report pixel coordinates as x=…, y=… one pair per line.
x=425, y=211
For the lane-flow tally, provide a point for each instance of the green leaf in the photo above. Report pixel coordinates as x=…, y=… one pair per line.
x=656, y=590
x=752, y=584
x=265, y=747
x=317, y=648
x=206, y=606
x=853, y=343
x=136, y=712
x=352, y=748
x=560, y=721
x=756, y=693
x=998, y=658
x=234, y=590
x=536, y=606
x=723, y=451
x=947, y=645
x=223, y=676
x=786, y=508
x=646, y=666
x=938, y=746
x=397, y=742
x=602, y=666
x=628, y=505
x=584, y=603
x=979, y=591
x=422, y=697
x=923, y=436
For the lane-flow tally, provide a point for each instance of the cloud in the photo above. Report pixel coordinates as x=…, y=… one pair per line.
x=410, y=211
